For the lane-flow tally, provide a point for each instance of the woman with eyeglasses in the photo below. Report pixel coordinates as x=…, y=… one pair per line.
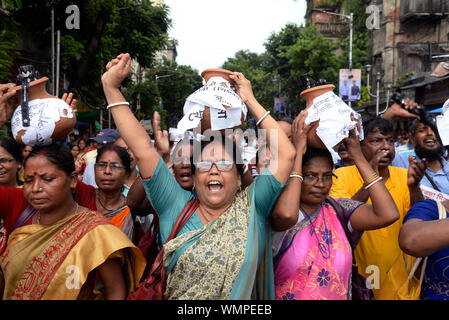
x=112, y=167
x=10, y=163
x=221, y=252
x=313, y=256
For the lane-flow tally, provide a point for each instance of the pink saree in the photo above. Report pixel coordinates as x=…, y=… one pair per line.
x=317, y=260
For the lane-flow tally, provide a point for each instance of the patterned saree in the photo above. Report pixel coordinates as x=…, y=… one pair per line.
x=54, y=262
x=316, y=260
x=220, y=260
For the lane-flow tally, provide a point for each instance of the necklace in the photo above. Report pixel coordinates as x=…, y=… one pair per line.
x=38, y=219
x=326, y=236
x=104, y=207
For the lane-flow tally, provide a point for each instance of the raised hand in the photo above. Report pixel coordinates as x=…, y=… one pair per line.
x=116, y=71
x=68, y=98
x=161, y=139
x=395, y=110
x=242, y=86
x=7, y=102
x=415, y=171
x=300, y=131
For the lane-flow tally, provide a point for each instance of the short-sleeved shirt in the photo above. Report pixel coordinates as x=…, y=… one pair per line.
x=436, y=281
x=168, y=198
x=378, y=247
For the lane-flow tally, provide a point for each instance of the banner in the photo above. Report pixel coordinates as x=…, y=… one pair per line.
x=430, y=193
x=279, y=105
x=350, y=84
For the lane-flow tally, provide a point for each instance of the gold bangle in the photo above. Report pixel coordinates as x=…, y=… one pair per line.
x=373, y=177
x=297, y=172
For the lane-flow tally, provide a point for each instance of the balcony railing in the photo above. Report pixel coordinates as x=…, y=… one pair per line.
x=413, y=10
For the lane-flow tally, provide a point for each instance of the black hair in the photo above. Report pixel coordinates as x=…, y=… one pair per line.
x=230, y=147
x=312, y=153
x=384, y=126
x=57, y=154
x=428, y=121
x=13, y=148
x=121, y=152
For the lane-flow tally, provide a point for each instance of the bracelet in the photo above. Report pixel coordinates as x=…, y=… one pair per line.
x=372, y=183
x=263, y=117
x=371, y=178
x=297, y=176
x=296, y=172
x=117, y=104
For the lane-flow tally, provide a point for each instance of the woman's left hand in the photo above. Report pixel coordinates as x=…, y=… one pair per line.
x=242, y=87
x=116, y=71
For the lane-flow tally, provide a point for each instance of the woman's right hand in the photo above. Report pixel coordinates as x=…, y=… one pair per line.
x=300, y=132
x=7, y=102
x=116, y=71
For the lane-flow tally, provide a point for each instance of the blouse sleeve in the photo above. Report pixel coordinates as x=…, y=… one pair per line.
x=266, y=190
x=426, y=210
x=12, y=204
x=167, y=198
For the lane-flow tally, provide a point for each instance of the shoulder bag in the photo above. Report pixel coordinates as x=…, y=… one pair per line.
x=153, y=287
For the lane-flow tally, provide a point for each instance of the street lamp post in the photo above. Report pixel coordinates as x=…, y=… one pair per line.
x=388, y=85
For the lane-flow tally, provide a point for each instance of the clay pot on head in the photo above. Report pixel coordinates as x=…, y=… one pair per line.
x=37, y=90
x=207, y=74
x=309, y=94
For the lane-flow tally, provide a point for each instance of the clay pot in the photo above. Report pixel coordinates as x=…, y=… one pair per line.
x=207, y=74
x=37, y=90
x=309, y=94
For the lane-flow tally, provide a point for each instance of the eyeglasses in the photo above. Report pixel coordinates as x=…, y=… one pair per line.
x=311, y=179
x=113, y=165
x=5, y=160
x=222, y=165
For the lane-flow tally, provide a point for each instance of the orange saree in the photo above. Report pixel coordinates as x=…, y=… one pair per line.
x=54, y=262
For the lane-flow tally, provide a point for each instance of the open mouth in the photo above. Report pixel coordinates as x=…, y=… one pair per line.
x=185, y=176
x=430, y=142
x=214, y=186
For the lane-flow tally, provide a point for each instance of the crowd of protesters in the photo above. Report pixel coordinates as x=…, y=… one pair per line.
x=290, y=222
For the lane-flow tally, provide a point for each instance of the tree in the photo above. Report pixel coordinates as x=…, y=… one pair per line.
x=295, y=51
x=251, y=65
x=107, y=28
x=175, y=86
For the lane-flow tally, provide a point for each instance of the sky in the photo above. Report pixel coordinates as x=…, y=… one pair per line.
x=211, y=31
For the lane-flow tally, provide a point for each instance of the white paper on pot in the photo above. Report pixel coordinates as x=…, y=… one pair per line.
x=216, y=93
x=43, y=114
x=335, y=119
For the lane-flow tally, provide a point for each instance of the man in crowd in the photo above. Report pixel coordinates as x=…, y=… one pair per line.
x=429, y=149
x=379, y=248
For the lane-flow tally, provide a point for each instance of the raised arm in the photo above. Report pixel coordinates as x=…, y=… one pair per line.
x=128, y=126
x=281, y=149
x=285, y=212
x=383, y=210
x=7, y=102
